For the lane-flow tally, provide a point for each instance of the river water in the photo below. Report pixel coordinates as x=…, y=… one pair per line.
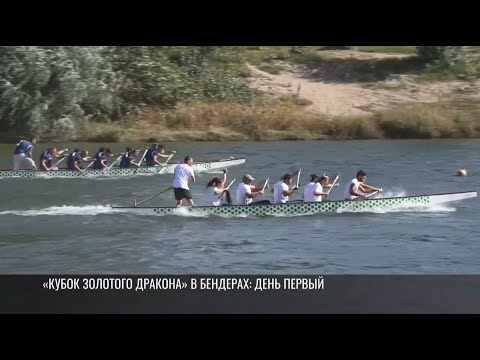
x=66, y=226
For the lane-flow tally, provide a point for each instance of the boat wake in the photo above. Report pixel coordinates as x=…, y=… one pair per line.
x=435, y=208
x=90, y=210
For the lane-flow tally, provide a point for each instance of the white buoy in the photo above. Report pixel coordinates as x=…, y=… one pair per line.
x=462, y=172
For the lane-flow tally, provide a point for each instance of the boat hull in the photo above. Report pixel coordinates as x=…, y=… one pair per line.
x=198, y=167
x=310, y=208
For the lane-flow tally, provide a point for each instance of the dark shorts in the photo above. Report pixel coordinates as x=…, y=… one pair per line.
x=260, y=202
x=182, y=194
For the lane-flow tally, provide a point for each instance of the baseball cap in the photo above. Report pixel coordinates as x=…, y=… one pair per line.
x=249, y=177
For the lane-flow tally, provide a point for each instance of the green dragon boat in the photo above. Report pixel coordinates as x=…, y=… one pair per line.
x=198, y=167
x=310, y=208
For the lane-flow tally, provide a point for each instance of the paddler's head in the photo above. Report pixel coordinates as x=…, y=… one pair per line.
x=361, y=175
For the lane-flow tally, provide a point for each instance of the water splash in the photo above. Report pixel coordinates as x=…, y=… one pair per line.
x=89, y=210
x=435, y=208
x=186, y=212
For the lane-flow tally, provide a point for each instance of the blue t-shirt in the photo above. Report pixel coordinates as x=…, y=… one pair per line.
x=125, y=161
x=150, y=155
x=48, y=157
x=98, y=161
x=23, y=147
x=73, y=158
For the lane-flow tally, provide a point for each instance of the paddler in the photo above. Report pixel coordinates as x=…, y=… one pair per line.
x=357, y=185
x=247, y=191
x=46, y=158
x=101, y=158
x=155, y=151
x=23, y=153
x=128, y=159
x=282, y=191
x=75, y=159
x=313, y=191
x=218, y=193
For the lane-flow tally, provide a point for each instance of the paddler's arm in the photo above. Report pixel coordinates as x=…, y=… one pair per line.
x=367, y=188
x=60, y=153
x=260, y=187
x=166, y=154
x=290, y=192
x=224, y=176
x=254, y=194
x=44, y=165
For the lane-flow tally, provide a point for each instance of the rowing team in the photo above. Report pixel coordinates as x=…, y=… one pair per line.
x=23, y=153
x=219, y=194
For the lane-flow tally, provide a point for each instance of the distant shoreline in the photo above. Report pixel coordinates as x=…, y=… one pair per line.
x=278, y=122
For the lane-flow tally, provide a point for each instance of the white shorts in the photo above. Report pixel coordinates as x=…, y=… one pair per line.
x=18, y=159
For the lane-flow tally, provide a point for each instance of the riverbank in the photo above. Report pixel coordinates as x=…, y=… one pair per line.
x=286, y=121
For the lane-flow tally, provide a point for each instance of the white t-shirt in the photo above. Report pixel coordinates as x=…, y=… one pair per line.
x=181, y=175
x=215, y=199
x=347, y=194
x=308, y=192
x=242, y=191
x=318, y=188
x=278, y=190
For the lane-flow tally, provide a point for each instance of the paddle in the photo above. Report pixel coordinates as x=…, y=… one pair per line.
x=371, y=194
x=151, y=197
x=55, y=166
x=228, y=187
x=298, y=178
x=264, y=185
x=141, y=159
x=91, y=163
x=165, y=163
x=109, y=167
x=333, y=184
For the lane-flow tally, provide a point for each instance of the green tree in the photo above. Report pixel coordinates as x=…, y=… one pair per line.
x=46, y=90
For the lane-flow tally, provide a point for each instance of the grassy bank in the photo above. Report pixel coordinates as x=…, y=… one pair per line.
x=267, y=122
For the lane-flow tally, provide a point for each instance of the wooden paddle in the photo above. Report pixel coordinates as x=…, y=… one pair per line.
x=151, y=197
x=109, y=167
x=264, y=185
x=371, y=194
x=141, y=159
x=333, y=184
x=298, y=177
x=55, y=166
x=228, y=187
x=165, y=163
x=91, y=163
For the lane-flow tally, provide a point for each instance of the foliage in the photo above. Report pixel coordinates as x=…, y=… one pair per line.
x=49, y=91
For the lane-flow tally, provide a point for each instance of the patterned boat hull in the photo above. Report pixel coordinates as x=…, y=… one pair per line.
x=308, y=208
x=198, y=167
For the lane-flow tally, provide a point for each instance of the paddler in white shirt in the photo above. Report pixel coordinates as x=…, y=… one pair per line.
x=357, y=189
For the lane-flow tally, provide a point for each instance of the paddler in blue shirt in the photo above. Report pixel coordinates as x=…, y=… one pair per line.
x=47, y=157
x=23, y=153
